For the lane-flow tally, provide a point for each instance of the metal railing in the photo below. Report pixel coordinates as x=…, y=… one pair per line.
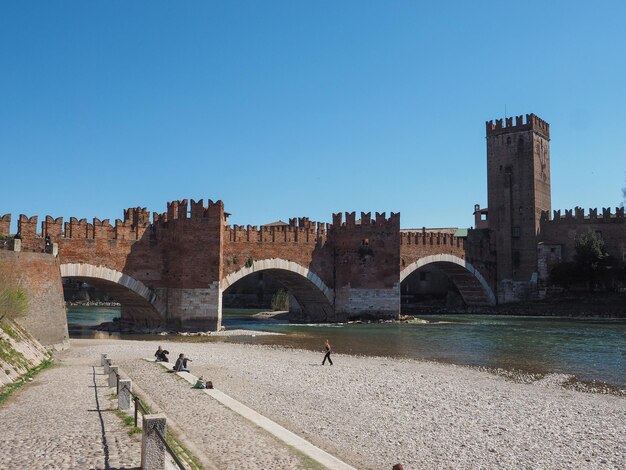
x=140, y=406
x=169, y=449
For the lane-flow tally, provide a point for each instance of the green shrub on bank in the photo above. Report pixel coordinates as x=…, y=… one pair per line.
x=13, y=300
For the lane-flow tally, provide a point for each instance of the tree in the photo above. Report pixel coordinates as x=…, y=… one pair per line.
x=590, y=250
x=590, y=256
x=591, y=263
x=13, y=300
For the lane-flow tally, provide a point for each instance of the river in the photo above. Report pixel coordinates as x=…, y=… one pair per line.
x=589, y=349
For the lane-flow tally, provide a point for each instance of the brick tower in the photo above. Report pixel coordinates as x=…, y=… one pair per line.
x=518, y=187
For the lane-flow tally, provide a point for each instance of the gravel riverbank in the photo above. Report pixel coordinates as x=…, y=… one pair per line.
x=372, y=412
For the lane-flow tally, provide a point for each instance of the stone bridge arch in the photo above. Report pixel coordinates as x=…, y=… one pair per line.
x=140, y=304
x=471, y=284
x=313, y=295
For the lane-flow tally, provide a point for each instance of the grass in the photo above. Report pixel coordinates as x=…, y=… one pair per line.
x=9, y=389
x=182, y=452
x=10, y=331
x=129, y=422
x=11, y=356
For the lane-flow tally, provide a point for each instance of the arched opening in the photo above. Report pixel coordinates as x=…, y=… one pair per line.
x=139, y=305
x=443, y=282
x=310, y=300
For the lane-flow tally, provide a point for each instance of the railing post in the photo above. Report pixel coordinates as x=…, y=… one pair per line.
x=112, y=376
x=136, y=401
x=123, y=394
x=107, y=364
x=152, y=449
x=102, y=359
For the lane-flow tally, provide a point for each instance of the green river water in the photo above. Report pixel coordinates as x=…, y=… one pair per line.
x=589, y=349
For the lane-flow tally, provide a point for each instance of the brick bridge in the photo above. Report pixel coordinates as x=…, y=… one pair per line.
x=174, y=269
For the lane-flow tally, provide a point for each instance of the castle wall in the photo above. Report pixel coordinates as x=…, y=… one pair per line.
x=40, y=276
x=558, y=234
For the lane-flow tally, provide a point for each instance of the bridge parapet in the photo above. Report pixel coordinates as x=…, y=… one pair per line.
x=305, y=232
x=431, y=239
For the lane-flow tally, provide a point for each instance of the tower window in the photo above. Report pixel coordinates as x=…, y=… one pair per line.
x=516, y=232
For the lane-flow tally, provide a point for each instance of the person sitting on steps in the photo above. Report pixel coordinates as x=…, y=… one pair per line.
x=181, y=363
x=161, y=355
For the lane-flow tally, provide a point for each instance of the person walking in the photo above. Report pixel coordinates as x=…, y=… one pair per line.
x=327, y=356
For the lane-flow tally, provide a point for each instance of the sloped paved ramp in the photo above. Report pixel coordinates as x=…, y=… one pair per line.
x=65, y=420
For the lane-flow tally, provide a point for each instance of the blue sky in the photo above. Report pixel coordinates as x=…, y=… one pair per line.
x=302, y=108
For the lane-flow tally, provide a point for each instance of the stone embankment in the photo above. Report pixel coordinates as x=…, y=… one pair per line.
x=19, y=352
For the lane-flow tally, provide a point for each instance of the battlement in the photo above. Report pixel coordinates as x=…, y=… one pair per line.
x=304, y=222
x=131, y=228
x=430, y=239
x=505, y=126
x=137, y=216
x=299, y=230
x=577, y=215
x=5, y=224
x=189, y=209
x=366, y=220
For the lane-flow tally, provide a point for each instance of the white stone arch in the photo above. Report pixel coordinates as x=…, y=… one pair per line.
x=82, y=270
x=279, y=264
x=445, y=258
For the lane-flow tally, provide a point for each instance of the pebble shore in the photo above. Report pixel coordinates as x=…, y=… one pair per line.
x=372, y=412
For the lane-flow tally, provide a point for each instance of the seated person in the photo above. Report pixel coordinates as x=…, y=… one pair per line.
x=199, y=383
x=181, y=364
x=161, y=355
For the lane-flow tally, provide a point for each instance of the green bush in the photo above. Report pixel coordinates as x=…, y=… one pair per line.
x=13, y=300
